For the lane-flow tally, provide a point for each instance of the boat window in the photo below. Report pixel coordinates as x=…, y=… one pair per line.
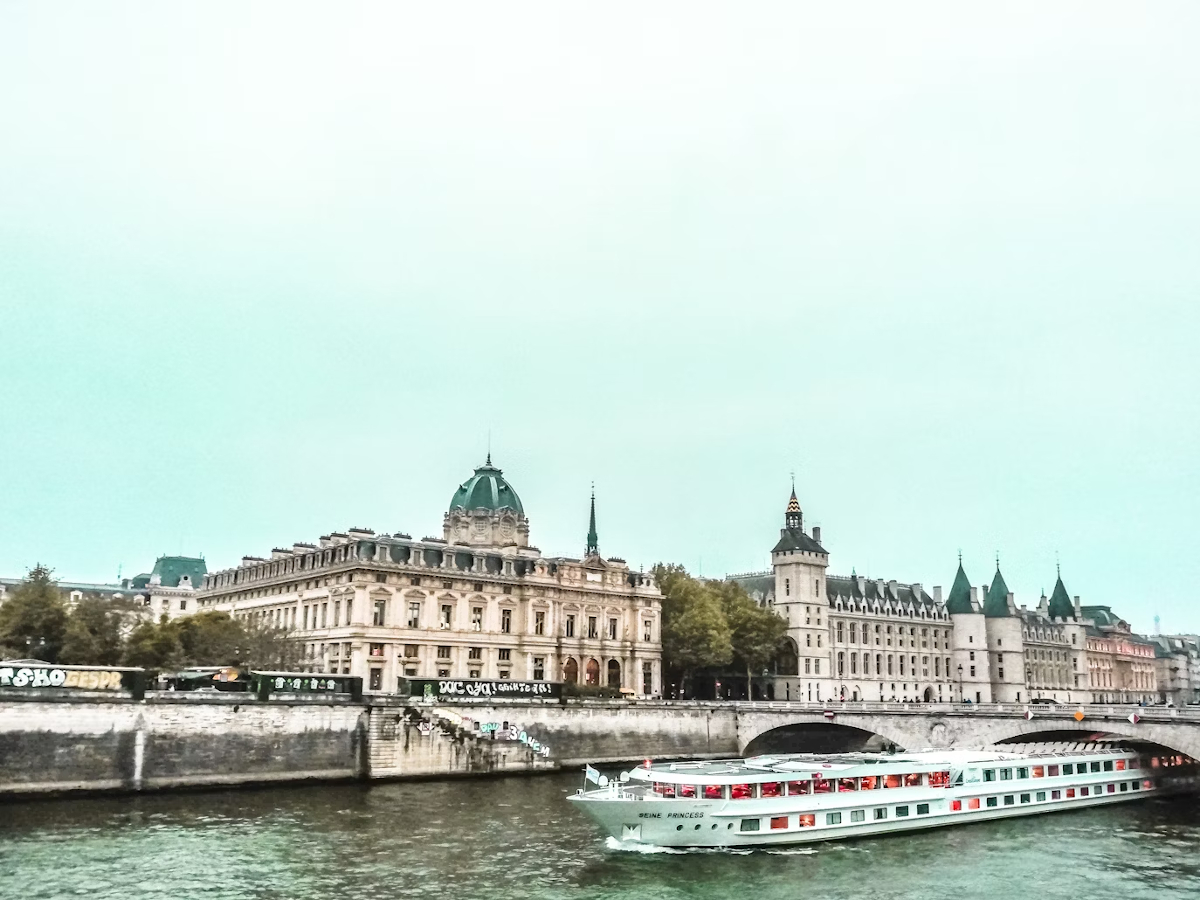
x=1010, y=799
x=1023, y=772
x=880, y=813
x=1108, y=765
x=956, y=806
x=1056, y=795
x=1070, y=793
x=833, y=818
x=973, y=803
x=1068, y=769
x=1120, y=765
x=750, y=824
x=901, y=811
x=989, y=774
x=1039, y=771
x=1148, y=784
x=993, y=801
x=797, y=787
x=714, y=792
x=1025, y=798
x=1112, y=788
x=1095, y=767
x=1133, y=786
x=687, y=790
x=1052, y=771
x=847, y=784
x=892, y=781
x=858, y=815
x=779, y=822
x=1083, y=792
x=870, y=782
x=1124, y=785
x=742, y=792
x=913, y=780
x=1006, y=774
x=1041, y=795
x=770, y=789
x=939, y=779
x=663, y=789
x=821, y=785
x=922, y=809
x=808, y=821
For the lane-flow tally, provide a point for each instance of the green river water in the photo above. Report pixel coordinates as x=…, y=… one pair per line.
x=517, y=837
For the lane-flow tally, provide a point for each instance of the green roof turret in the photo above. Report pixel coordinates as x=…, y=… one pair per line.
x=959, y=600
x=1061, y=606
x=997, y=596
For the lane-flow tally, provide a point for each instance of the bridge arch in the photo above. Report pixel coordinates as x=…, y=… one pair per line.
x=759, y=733
x=1182, y=738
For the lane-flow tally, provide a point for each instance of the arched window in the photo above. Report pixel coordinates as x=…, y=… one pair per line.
x=614, y=674
x=593, y=672
x=571, y=671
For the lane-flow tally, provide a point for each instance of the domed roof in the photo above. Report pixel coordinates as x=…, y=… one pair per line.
x=487, y=489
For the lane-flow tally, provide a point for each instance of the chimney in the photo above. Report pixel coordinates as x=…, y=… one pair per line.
x=1078, y=611
x=975, y=604
x=1011, y=599
x=862, y=585
x=937, y=593
x=918, y=591
x=817, y=533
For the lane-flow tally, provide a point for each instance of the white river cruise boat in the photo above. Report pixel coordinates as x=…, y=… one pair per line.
x=800, y=798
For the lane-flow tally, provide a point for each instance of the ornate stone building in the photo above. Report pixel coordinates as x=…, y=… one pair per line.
x=857, y=638
x=480, y=602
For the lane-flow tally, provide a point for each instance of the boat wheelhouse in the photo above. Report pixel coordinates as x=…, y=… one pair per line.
x=800, y=798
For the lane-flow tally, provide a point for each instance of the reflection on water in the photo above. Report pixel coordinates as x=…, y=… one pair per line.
x=517, y=837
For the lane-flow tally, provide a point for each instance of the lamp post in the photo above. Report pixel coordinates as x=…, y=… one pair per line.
x=960, y=686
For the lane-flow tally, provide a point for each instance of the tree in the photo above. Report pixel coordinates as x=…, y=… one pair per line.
x=33, y=621
x=94, y=634
x=269, y=647
x=211, y=638
x=756, y=632
x=695, y=634
x=154, y=645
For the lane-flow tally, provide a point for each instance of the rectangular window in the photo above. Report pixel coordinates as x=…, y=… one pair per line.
x=1070, y=793
x=1041, y=796
x=411, y=651
x=993, y=801
x=337, y=613
x=741, y=792
x=612, y=633
x=570, y=626
x=380, y=615
x=324, y=615
x=779, y=822
x=922, y=809
x=443, y=673
x=1009, y=800
x=1120, y=765
x=973, y=803
x=989, y=774
x=880, y=813
x=1083, y=792
x=414, y=615
x=770, y=789
x=1068, y=769
x=807, y=821
x=750, y=825
x=505, y=654
x=901, y=811
x=1039, y=771
x=539, y=668
x=1056, y=795
x=506, y=621
x=1022, y=772
x=1025, y=798
x=1006, y=774
x=956, y=806
x=1095, y=767
x=592, y=632
x=474, y=653
x=833, y=818
x=1135, y=785
x=477, y=618
x=1124, y=785
x=377, y=649
x=647, y=629
x=409, y=671
x=539, y=622
x=858, y=815
x=376, y=679
x=447, y=614
x=714, y=792
x=443, y=653
x=1108, y=765
x=797, y=787
x=1112, y=788
x=1052, y=771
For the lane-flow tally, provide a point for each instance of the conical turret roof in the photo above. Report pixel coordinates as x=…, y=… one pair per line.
x=1061, y=606
x=997, y=597
x=959, y=600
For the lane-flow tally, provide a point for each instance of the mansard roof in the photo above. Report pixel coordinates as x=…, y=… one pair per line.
x=847, y=587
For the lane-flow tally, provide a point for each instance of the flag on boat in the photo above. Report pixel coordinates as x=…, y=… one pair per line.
x=591, y=775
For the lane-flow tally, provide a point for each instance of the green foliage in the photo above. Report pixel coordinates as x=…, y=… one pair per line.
x=33, y=621
x=710, y=624
x=95, y=632
x=154, y=646
x=210, y=639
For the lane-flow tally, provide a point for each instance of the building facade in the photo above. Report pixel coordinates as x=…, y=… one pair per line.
x=480, y=602
x=855, y=638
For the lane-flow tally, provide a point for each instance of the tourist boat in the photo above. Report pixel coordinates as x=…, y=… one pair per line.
x=801, y=798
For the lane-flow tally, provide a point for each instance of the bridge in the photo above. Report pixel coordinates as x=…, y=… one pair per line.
x=913, y=726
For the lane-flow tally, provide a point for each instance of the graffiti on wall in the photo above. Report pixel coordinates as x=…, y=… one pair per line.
x=58, y=677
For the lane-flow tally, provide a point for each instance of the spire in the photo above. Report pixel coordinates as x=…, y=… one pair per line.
x=997, y=595
x=593, y=540
x=959, y=600
x=1061, y=606
x=793, y=518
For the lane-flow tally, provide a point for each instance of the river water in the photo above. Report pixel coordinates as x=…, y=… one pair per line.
x=517, y=837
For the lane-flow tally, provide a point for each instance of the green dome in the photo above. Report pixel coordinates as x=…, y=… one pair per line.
x=487, y=489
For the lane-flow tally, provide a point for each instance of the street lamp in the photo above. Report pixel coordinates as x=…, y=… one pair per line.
x=960, y=689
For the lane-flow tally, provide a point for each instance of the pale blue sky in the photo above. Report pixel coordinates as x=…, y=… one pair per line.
x=268, y=271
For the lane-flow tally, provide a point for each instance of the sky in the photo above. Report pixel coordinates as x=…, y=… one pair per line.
x=269, y=271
